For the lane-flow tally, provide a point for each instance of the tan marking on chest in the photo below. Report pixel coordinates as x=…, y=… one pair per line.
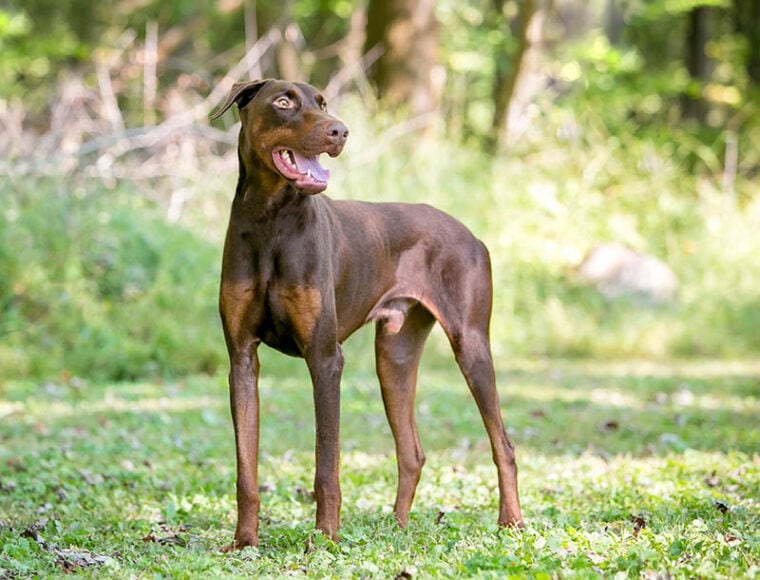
x=302, y=305
x=235, y=302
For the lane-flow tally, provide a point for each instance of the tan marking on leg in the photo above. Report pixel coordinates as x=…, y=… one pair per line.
x=302, y=305
x=235, y=300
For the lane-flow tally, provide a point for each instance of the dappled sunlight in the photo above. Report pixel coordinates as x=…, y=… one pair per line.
x=8, y=408
x=612, y=397
x=652, y=476
x=600, y=466
x=656, y=369
x=114, y=404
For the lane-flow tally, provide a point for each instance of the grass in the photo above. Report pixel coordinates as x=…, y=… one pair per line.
x=631, y=469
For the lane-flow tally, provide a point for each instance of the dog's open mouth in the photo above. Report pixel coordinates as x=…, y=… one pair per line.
x=305, y=172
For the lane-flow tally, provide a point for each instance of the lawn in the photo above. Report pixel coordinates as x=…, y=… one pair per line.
x=625, y=469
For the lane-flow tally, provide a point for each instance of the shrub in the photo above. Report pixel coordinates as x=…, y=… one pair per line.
x=96, y=283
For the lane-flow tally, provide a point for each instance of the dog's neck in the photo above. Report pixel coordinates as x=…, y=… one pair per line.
x=260, y=188
x=264, y=198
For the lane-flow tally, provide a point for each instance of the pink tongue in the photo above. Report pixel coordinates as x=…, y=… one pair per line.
x=306, y=163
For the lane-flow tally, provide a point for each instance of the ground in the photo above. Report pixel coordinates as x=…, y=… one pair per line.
x=628, y=468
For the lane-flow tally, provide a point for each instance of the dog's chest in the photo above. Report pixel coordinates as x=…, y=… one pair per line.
x=292, y=310
x=288, y=277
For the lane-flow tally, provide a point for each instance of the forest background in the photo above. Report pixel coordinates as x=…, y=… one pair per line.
x=548, y=127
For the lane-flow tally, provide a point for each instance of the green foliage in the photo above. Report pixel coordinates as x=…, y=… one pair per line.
x=29, y=59
x=39, y=39
x=624, y=469
x=656, y=9
x=99, y=285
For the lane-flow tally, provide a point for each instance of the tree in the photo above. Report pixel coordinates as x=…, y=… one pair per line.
x=614, y=23
x=696, y=59
x=516, y=76
x=747, y=18
x=405, y=32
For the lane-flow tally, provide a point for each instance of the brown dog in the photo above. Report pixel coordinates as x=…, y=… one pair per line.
x=302, y=272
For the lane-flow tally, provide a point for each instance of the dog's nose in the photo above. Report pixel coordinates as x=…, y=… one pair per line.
x=337, y=132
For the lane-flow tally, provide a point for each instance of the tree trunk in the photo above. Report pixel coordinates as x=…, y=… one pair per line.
x=753, y=37
x=517, y=78
x=614, y=24
x=407, y=72
x=288, y=51
x=696, y=60
x=251, y=36
x=747, y=18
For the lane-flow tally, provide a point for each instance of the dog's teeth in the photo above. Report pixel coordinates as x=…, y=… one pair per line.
x=287, y=157
x=308, y=174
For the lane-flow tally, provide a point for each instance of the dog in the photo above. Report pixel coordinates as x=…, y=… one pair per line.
x=301, y=272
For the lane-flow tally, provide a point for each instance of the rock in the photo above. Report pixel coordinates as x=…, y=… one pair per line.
x=618, y=271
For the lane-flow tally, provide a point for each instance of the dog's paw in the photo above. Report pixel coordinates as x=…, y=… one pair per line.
x=239, y=544
x=320, y=539
x=516, y=523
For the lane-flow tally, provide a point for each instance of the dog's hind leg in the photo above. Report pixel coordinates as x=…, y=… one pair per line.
x=398, y=352
x=473, y=355
x=465, y=309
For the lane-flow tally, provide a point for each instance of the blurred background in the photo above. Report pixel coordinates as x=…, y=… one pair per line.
x=607, y=152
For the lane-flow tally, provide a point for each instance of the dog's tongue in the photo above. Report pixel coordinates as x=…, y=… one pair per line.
x=311, y=163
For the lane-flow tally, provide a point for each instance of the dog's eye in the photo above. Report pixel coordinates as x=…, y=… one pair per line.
x=283, y=103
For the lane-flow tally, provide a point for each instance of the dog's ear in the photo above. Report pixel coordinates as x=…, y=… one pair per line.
x=241, y=94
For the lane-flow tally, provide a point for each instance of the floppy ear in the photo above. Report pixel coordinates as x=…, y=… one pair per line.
x=241, y=94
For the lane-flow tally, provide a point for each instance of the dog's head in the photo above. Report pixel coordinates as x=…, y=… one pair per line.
x=286, y=127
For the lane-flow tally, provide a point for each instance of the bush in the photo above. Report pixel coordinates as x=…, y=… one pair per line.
x=97, y=284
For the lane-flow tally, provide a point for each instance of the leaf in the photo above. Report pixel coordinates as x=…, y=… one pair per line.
x=91, y=478
x=70, y=560
x=33, y=531
x=712, y=480
x=721, y=506
x=676, y=548
x=303, y=495
x=639, y=523
x=168, y=535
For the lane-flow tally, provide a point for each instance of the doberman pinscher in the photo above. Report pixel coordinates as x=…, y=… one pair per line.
x=301, y=272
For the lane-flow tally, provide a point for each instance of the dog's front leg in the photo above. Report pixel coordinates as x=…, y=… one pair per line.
x=244, y=401
x=326, y=367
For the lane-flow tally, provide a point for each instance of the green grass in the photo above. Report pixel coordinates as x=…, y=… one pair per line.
x=624, y=469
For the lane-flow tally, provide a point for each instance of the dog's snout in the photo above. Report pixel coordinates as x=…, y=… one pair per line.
x=337, y=132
